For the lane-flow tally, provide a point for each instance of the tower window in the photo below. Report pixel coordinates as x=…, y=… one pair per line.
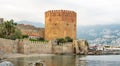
x=49, y=19
x=67, y=24
x=74, y=25
x=55, y=24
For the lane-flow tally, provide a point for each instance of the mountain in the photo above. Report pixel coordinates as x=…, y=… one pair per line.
x=100, y=34
x=36, y=24
x=95, y=34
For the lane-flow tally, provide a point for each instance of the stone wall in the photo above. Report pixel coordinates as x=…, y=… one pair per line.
x=80, y=46
x=8, y=46
x=65, y=48
x=28, y=47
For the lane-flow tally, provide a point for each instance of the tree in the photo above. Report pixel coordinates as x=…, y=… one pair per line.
x=60, y=40
x=68, y=39
x=63, y=40
x=9, y=30
x=25, y=36
x=86, y=43
x=41, y=39
x=16, y=35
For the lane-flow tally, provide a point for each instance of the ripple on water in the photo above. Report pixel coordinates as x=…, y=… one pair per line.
x=103, y=60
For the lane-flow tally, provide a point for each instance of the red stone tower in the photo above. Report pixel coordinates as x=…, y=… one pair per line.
x=59, y=24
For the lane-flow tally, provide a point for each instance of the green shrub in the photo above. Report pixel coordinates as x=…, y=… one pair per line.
x=64, y=40
x=25, y=36
x=31, y=39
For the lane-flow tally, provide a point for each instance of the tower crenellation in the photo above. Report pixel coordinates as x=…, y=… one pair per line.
x=60, y=12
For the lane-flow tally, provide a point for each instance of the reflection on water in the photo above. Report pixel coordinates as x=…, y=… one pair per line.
x=71, y=60
x=99, y=63
x=101, y=60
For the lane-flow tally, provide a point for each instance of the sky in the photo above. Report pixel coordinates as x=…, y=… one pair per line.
x=89, y=12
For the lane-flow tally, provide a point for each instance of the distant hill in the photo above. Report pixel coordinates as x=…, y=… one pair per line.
x=100, y=34
x=95, y=34
x=36, y=24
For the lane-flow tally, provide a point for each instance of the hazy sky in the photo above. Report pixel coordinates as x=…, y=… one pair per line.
x=89, y=12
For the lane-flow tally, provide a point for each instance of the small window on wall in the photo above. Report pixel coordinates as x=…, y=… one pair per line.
x=53, y=14
x=67, y=24
x=72, y=20
x=74, y=25
x=74, y=29
x=58, y=14
x=49, y=19
x=55, y=24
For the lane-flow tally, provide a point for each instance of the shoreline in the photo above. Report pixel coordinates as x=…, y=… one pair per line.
x=9, y=56
x=25, y=55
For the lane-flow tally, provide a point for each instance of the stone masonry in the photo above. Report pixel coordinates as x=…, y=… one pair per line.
x=59, y=24
x=80, y=46
x=33, y=47
x=8, y=46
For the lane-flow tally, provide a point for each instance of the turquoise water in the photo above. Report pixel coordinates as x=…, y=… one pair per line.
x=71, y=60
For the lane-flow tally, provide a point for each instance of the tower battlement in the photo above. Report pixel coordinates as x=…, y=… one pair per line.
x=60, y=24
x=60, y=13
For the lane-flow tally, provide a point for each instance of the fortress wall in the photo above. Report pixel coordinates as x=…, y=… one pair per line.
x=65, y=48
x=45, y=48
x=36, y=47
x=80, y=46
x=58, y=49
x=28, y=47
x=8, y=46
